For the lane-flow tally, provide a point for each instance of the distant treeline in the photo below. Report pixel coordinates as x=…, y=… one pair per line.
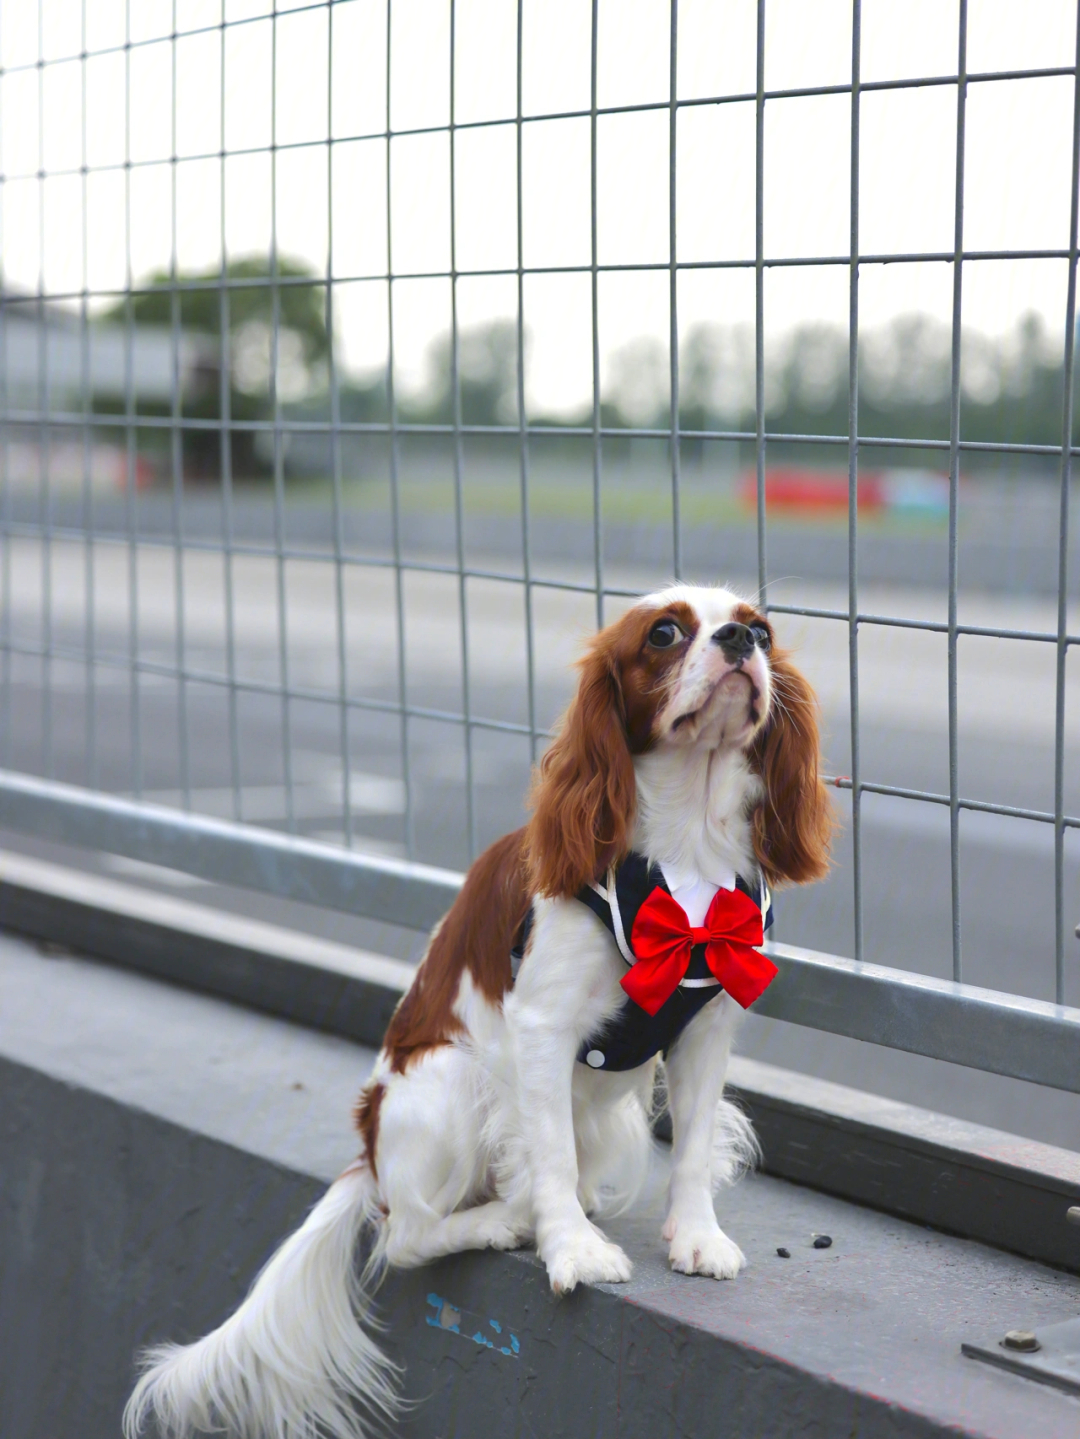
x=1012, y=386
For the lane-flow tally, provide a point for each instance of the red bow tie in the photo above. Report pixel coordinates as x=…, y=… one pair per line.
x=663, y=937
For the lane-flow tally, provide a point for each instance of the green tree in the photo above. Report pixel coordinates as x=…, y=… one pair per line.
x=487, y=377
x=257, y=299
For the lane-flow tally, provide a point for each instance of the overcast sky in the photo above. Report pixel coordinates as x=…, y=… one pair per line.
x=1017, y=163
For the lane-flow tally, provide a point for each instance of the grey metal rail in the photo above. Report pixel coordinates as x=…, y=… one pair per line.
x=395, y=891
x=941, y=1019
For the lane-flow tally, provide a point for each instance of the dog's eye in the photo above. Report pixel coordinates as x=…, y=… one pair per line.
x=762, y=637
x=664, y=635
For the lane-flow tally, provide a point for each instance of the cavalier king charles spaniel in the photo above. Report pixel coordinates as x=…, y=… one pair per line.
x=617, y=932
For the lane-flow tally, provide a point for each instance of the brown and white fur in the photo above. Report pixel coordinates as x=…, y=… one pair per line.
x=479, y=1129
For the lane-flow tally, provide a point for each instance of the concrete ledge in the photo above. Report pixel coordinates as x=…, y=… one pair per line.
x=156, y=1144
x=312, y=981
x=960, y=1177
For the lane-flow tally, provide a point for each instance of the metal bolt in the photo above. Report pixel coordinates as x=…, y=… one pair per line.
x=1072, y=1214
x=1021, y=1339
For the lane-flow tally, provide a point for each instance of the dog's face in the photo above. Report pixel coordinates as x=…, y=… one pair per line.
x=692, y=666
x=684, y=669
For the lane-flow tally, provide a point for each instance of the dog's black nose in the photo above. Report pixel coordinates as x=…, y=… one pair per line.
x=737, y=641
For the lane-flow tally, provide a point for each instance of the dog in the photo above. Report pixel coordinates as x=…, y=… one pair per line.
x=512, y=1096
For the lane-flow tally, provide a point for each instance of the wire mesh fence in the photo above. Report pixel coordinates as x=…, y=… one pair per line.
x=248, y=576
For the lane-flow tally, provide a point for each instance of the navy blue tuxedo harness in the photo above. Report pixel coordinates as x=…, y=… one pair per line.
x=632, y=1036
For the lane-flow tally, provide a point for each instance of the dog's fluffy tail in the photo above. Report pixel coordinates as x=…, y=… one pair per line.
x=292, y=1360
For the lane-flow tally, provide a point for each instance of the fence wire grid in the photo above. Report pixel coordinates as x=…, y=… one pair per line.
x=170, y=524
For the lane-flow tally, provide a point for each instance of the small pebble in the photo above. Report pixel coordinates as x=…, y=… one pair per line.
x=51, y=950
x=784, y=1253
x=823, y=1241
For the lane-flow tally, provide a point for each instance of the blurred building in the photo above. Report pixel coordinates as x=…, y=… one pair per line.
x=55, y=367
x=50, y=360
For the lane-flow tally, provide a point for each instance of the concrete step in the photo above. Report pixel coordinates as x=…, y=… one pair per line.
x=155, y=1144
x=966, y=1178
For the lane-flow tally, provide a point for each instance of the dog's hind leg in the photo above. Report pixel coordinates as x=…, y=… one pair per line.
x=433, y=1163
x=417, y=1238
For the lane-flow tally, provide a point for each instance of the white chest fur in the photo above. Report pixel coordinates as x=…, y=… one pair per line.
x=693, y=820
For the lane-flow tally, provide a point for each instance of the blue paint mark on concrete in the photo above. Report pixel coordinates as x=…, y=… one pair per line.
x=448, y=1318
x=445, y=1316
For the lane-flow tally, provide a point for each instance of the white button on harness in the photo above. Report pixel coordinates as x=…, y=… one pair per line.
x=595, y=1058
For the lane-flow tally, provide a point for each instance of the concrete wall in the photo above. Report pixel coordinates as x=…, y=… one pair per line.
x=116, y=1228
x=155, y=1144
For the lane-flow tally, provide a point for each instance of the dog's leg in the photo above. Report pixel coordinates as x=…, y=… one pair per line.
x=560, y=997
x=417, y=1238
x=574, y=1250
x=696, y=1066
x=613, y=1139
x=432, y=1164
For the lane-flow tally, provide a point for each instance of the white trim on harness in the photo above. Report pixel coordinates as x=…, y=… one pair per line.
x=610, y=898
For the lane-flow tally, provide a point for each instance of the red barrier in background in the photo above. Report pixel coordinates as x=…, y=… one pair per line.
x=806, y=491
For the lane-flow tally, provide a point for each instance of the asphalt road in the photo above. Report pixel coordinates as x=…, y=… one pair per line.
x=1005, y=708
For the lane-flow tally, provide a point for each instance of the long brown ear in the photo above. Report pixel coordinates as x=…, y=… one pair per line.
x=584, y=794
x=793, y=825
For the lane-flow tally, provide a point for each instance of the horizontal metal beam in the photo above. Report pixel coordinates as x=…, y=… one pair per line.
x=980, y=1028
x=961, y=1023
x=413, y=895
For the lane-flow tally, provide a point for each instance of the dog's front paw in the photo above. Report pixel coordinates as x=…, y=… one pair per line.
x=703, y=1250
x=586, y=1259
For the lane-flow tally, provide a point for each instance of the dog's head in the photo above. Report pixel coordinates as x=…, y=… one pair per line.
x=686, y=668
